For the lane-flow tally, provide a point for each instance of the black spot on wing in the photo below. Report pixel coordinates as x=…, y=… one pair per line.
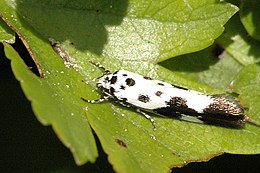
x=177, y=102
x=107, y=78
x=224, y=111
x=115, y=72
x=113, y=80
x=176, y=86
x=112, y=90
x=148, y=78
x=130, y=82
x=160, y=84
x=124, y=100
x=174, y=111
x=224, y=104
x=158, y=93
x=122, y=87
x=223, y=120
x=143, y=98
x=168, y=112
x=124, y=74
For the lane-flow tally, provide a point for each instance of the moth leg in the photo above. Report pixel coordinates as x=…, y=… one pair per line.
x=148, y=117
x=123, y=103
x=100, y=100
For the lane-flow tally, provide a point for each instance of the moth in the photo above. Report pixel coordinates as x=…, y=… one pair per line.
x=168, y=100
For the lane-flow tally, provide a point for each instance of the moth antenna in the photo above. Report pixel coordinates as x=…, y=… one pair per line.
x=97, y=65
x=251, y=121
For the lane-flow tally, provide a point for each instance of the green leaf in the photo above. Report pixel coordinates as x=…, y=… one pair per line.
x=250, y=16
x=247, y=83
x=53, y=101
x=160, y=29
x=6, y=34
x=237, y=43
x=190, y=67
x=133, y=35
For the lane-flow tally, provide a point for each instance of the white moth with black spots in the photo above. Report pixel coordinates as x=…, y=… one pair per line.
x=167, y=100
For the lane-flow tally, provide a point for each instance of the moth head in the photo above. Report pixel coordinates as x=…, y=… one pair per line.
x=104, y=82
